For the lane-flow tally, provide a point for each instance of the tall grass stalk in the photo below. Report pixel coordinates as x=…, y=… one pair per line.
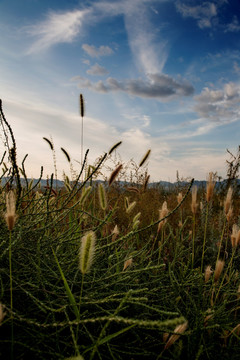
x=209, y=197
x=194, y=207
x=204, y=236
x=82, y=113
x=10, y=218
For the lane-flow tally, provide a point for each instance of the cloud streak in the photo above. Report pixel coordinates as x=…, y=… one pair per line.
x=156, y=86
x=57, y=28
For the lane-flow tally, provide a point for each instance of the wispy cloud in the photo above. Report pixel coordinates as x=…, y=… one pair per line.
x=234, y=26
x=203, y=13
x=236, y=67
x=97, y=70
x=142, y=120
x=93, y=51
x=149, y=54
x=157, y=86
x=56, y=28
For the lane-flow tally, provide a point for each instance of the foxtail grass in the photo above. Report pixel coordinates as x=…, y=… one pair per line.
x=114, y=174
x=145, y=157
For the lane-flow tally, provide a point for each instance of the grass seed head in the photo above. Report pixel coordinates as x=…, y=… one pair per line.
x=115, y=233
x=114, y=147
x=87, y=251
x=130, y=207
x=66, y=154
x=162, y=213
x=114, y=174
x=146, y=181
x=127, y=263
x=50, y=143
x=194, y=204
x=235, y=236
x=144, y=159
x=208, y=273
x=10, y=215
x=82, y=105
x=228, y=200
x=180, y=329
x=229, y=214
x=102, y=196
x=218, y=269
x=210, y=186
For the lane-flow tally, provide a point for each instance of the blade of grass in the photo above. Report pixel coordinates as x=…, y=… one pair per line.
x=71, y=298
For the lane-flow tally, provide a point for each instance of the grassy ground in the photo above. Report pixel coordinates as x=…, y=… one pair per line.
x=90, y=272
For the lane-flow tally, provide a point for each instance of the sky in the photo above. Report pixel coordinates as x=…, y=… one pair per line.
x=155, y=74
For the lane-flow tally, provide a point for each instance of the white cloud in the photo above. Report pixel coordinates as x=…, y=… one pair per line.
x=158, y=86
x=93, y=51
x=203, y=13
x=97, y=70
x=56, y=28
x=219, y=105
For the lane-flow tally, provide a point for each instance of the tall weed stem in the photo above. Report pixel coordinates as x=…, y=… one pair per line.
x=193, y=238
x=11, y=291
x=205, y=235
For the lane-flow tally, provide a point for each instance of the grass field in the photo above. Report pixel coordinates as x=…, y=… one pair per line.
x=106, y=271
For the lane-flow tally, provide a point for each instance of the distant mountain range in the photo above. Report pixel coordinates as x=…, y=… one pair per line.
x=165, y=184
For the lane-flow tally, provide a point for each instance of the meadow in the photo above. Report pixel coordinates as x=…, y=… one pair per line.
x=118, y=268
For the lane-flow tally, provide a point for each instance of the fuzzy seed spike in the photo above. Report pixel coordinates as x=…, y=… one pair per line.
x=194, y=204
x=66, y=154
x=144, y=159
x=10, y=215
x=146, y=181
x=114, y=147
x=210, y=186
x=102, y=196
x=82, y=106
x=218, y=269
x=114, y=174
x=87, y=251
x=49, y=143
x=180, y=329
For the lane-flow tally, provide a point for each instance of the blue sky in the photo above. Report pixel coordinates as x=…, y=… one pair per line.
x=156, y=74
